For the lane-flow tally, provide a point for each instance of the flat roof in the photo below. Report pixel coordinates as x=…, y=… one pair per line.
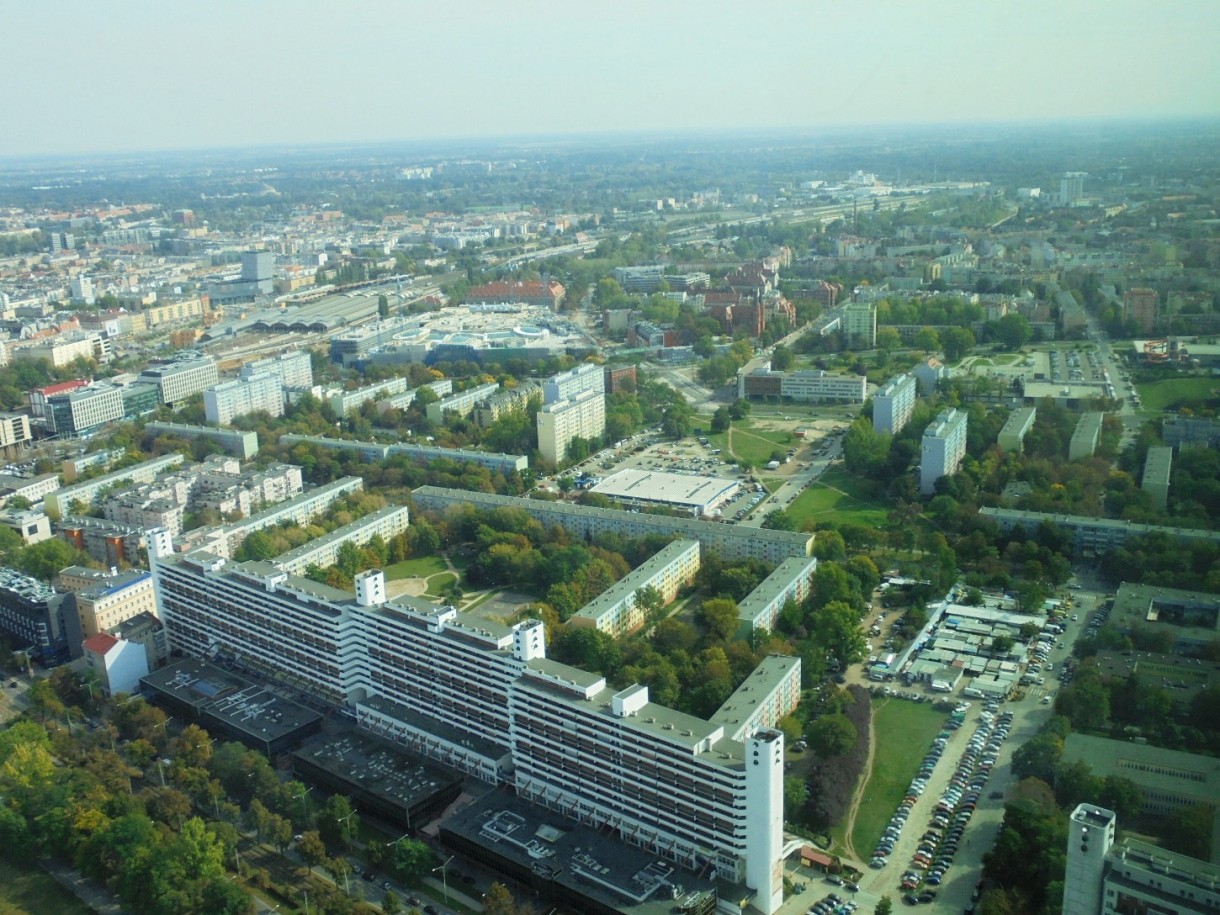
x=1193, y=615
x=774, y=584
x=1157, y=466
x=377, y=767
x=666, y=488
x=1171, y=772
x=762, y=681
x=239, y=703
x=630, y=582
x=619, y=876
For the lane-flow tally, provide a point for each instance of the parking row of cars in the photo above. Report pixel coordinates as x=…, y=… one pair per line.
x=889, y=838
x=832, y=904
x=956, y=805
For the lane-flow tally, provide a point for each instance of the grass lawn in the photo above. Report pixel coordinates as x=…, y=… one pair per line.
x=904, y=732
x=439, y=583
x=837, y=496
x=29, y=891
x=754, y=445
x=1173, y=393
x=415, y=568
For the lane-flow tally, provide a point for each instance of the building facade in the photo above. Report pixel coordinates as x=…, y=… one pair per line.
x=228, y=400
x=567, y=385
x=894, y=403
x=1012, y=435
x=617, y=612
x=84, y=410
x=558, y=423
x=942, y=449
x=188, y=373
x=860, y=324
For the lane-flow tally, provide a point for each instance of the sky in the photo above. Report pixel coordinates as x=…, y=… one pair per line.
x=133, y=75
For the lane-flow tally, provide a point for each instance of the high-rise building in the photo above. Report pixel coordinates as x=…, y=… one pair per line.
x=82, y=289
x=1140, y=307
x=860, y=323
x=582, y=416
x=258, y=267
x=944, y=446
x=294, y=368
x=1071, y=188
x=894, y=403
x=566, y=385
x=484, y=698
x=1104, y=877
x=226, y=401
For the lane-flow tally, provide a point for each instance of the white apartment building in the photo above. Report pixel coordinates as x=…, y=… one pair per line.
x=566, y=385
x=230, y=399
x=462, y=403
x=188, y=374
x=386, y=523
x=118, y=664
x=791, y=580
x=293, y=369
x=344, y=402
x=615, y=610
x=894, y=403
x=58, y=502
x=560, y=422
x=772, y=691
x=944, y=446
x=486, y=699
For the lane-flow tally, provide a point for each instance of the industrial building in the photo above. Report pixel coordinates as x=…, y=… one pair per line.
x=696, y=495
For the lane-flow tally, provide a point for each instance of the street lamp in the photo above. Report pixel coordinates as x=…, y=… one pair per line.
x=305, y=893
x=161, y=764
x=444, y=877
x=304, y=808
x=347, y=827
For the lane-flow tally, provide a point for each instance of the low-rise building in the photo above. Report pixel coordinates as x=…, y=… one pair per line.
x=698, y=496
x=1090, y=535
x=117, y=663
x=1018, y=424
x=1158, y=466
x=1085, y=438
x=616, y=610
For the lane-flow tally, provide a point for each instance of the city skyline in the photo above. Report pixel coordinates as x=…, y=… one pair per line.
x=172, y=77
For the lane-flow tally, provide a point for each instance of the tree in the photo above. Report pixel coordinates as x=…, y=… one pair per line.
x=796, y=794
x=781, y=358
x=884, y=906
x=1189, y=831
x=1013, y=331
x=651, y=602
x=44, y=560
x=836, y=629
x=718, y=617
x=390, y=903
x=412, y=859
x=832, y=735
x=499, y=901
x=957, y=342
x=928, y=339
x=312, y=849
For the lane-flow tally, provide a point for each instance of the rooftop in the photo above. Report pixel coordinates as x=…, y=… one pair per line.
x=668, y=488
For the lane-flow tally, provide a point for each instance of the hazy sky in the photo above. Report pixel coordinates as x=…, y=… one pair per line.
x=101, y=75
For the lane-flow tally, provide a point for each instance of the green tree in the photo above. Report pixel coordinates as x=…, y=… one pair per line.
x=718, y=617
x=832, y=735
x=1013, y=331
x=1188, y=830
x=312, y=849
x=44, y=560
x=796, y=794
x=836, y=629
x=884, y=906
x=412, y=859
x=498, y=901
x=957, y=342
x=782, y=358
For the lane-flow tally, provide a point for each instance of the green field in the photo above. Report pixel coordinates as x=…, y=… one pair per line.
x=437, y=585
x=415, y=568
x=32, y=892
x=1173, y=393
x=837, y=496
x=905, y=731
x=754, y=445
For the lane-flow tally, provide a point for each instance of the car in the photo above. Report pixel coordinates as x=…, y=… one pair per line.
x=878, y=863
x=927, y=895
x=910, y=899
x=385, y=884
x=369, y=875
x=834, y=880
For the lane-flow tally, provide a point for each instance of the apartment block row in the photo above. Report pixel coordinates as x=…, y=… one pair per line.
x=225, y=540
x=386, y=523
x=242, y=445
x=791, y=580
x=441, y=388
x=771, y=692
x=616, y=610
x=343, y=403
x=728, y=541
x=1090, y=535
x=461, y=403
x=60, y=503
x=372, y=451
x=260, y=393
x=486, y=699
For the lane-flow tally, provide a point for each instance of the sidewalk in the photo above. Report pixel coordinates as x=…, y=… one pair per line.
x=90, y=892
